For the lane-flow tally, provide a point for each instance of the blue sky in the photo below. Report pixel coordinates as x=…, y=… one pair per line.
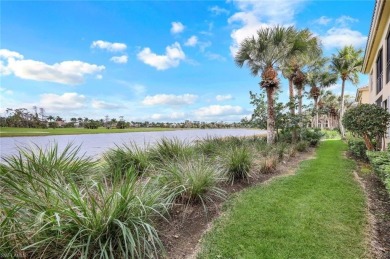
x=153, y=60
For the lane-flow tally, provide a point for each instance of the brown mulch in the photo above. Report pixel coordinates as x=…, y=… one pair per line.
x=188, y=223
x=378, y=203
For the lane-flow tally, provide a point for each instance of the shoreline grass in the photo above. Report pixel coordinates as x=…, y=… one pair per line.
x=29, y=132
x=319, y=212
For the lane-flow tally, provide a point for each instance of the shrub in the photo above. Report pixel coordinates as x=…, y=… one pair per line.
x=380, y=162
x=268, y=164
x=50, y=215
x=357, y=148
x=191, y=180
x=368, y=121
x=331, y=134
x=313, y=137
x=302, y=146
x=125, y=157
x=236, y=163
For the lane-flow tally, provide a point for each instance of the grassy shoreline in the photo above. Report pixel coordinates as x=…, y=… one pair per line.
x=28, y=132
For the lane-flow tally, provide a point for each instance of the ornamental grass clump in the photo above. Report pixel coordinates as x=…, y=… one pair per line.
x=50, y=161
x=191, y=181
x=236, y=162
x=124, y=157
x=52, y=215
x=209, y=146
x=168, y=150
x=268, y=164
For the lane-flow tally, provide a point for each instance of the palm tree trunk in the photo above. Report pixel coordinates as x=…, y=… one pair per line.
x=342, y=130
x=300, y=101
x=271, y=116
x=316, y=108
x=292, y=107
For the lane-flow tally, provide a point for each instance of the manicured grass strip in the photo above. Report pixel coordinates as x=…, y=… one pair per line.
x=317, y=213
x=19, y=132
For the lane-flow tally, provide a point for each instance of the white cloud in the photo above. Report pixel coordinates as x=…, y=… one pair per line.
x=119, y=59
x=99, y=77
x=214, y=56
x=218, y=10
x=6, y=91
x=192, y=41
x=66, y=72
x=66, y=101
x=170, y=99
x=110, y=46
x=323, y=20
x=219, y=110
x=172, y=57
x=177, y=27
x=340, y=37
x=254, y=15
x=104, y=105
x=7, y=54
x=344, y=20
x=221, y=98
x=171, y=116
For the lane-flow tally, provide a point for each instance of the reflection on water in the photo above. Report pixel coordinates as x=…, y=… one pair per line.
x=95, y=144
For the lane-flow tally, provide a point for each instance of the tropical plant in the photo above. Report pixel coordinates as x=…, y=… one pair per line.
x=263, y=54
x=368, y=121
x=237, y=163
x=319, y=77
x=191, y=181
x=167, y=150
x=47, y=214
x=124, y=157
x=346, y=64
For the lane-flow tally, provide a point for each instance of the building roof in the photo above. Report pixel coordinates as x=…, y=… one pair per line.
x=378, y=27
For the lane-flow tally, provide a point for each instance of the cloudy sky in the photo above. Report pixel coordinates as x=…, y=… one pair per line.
x=152, y=60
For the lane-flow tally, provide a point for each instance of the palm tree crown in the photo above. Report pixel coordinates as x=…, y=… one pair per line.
x=347, y=64
x=265, y=53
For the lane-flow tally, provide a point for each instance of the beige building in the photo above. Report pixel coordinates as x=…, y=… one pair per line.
x=362, y=95
x=377, y=57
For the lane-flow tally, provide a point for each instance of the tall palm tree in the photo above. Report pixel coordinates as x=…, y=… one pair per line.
x=347, y=64
x=263, y=54
x=318, y=78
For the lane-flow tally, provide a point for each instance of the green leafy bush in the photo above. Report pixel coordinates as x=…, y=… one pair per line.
x=368, y=121
x=380, y=161
x=313, y=137
x=357, y=148
x=302, y=146
x=331, y=134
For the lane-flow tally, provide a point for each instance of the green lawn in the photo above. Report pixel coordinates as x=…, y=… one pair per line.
x=317, y=213
x=16, y=132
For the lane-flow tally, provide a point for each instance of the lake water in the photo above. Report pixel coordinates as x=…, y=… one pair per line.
x=95, y=144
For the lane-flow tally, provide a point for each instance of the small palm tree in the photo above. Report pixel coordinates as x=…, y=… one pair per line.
x=347, y=64
x=263, y=54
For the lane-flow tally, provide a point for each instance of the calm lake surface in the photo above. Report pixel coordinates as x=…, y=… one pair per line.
x=95, y=144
